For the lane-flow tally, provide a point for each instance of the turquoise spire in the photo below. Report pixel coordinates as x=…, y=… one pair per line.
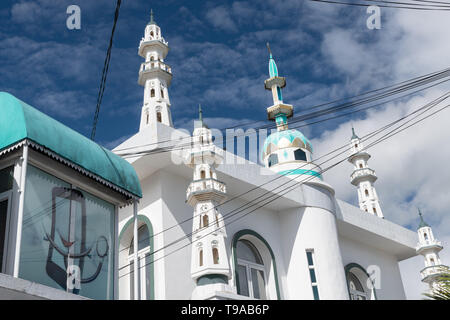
x=273, y=70
x=422, y=222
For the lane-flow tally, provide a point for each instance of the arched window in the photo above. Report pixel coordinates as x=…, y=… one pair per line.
x=152, y=93
x=215, y=253
x=151, y=34
x=205, y=221
x=366, y=192
x=158, y=117
x=425, y=236
x=251, y=271
x=360, y=165
x=144, y=261
x=432, y=261
x=217, y=220
x=358, y=282
x=202, y=174
x=151, y=58
x=200, y=257
x=273, y=160
x=299, y=154
x=147, y=118
x=374, y=210
x=162, y=93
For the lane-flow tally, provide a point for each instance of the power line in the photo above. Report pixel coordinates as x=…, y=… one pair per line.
x=105, y=72
x=383, y=6
x=306, y=116
x=390, y=90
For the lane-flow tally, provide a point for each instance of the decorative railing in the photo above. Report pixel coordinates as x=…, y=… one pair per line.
x=428, y=243
x=205, y=185
x=362, y=172
x=152, y=39
x=154, y=65
x=432, y=270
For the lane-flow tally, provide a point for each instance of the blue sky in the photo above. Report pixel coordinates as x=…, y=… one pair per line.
x=219, y=59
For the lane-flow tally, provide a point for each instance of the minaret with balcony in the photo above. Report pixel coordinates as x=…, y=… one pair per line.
x=429, y=248
x=363, y=177
x=209, y=260
x=155, y=76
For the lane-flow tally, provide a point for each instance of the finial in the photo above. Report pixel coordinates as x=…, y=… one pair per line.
x=200, y=113
x=152, y=21
x=422, y=222
x=354, y=136
x=268, y=48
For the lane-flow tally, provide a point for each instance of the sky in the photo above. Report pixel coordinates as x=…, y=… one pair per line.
x=219, y=59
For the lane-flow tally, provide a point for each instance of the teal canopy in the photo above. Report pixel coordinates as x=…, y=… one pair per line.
x=19, y=121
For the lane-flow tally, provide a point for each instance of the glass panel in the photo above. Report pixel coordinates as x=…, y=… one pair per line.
x=273, y=160
x=66, y=230
x=143, y=239
x=315, y=293
x=312, y=274
x=6, y=179
x=300, y=155
x=243, y=281
x=247, y=251
x=310, y=258
x=354, y=282
x=259, y=284
x=3, y=215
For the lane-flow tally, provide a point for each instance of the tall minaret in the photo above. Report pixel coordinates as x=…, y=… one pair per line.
x=429, y=248
x=155, y=75
x=209, y=260
x=363, y=177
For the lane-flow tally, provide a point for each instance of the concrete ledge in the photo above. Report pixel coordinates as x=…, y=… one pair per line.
x=19, y=289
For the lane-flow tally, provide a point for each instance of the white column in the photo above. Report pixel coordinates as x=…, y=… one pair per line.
x=137, y=290
x=20, y=211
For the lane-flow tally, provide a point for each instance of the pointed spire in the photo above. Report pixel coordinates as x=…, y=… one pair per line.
x=354, y=136
x=422, y=222
x=152, y=21
x=273, y=70
x=200, y=113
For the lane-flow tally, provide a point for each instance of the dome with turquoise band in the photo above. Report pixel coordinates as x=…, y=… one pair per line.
x=285, y=139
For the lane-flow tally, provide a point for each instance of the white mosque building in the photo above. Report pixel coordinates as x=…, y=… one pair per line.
x=150, y=222
x=302, y=244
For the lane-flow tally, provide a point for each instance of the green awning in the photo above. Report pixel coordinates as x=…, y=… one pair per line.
x=20, y=121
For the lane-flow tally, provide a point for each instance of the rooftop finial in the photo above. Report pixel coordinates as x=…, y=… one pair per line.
x=268, y=48
x=152, y=21
x=200, y=113
x=354, y=136
x=422, y=222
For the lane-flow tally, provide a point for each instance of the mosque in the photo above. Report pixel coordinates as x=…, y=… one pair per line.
x=150, y=222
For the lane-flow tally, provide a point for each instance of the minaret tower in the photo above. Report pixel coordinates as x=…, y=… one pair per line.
x=209, y=263
x=429, y=248
x=363, y=177
x=155, y=75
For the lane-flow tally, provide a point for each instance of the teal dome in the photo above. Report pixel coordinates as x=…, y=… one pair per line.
x=286, y=139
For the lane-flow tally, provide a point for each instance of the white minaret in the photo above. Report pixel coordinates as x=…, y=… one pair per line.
x=155, y=75
x=209, y=260
x=363, y=177
x=429, y=248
